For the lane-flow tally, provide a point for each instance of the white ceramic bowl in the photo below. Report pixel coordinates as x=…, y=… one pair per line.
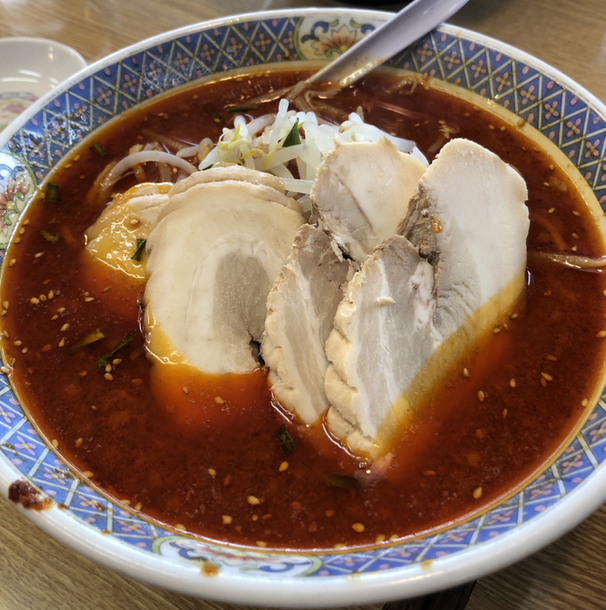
x=30, y=68
x=110, y=533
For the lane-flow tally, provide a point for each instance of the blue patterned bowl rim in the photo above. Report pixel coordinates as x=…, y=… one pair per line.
x=555, y=501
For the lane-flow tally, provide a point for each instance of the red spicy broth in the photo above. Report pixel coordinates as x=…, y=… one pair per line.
x=207, y=460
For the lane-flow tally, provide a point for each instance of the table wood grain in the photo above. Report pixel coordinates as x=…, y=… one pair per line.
x=38, y=572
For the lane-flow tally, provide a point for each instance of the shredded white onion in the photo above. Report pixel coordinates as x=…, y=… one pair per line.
x=259, y=144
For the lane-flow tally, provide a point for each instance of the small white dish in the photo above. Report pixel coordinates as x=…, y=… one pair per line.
x=30, y=68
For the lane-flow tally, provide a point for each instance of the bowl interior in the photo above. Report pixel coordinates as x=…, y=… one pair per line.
x=563, y=113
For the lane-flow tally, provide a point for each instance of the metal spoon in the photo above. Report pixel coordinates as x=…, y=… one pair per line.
x=406, y=26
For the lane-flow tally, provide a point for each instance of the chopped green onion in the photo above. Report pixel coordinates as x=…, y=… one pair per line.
x=241, y=108
x=217, y=118
x=101, y=362
x=293, y=138
x=346, y=481
x=285, y=439
x=96, y=147
x=52, y=192
x=96, y=335
x=139, y=251
x=207, y=167
x=52, y=237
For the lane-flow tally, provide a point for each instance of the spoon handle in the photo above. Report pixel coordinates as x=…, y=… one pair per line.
x=408, y=25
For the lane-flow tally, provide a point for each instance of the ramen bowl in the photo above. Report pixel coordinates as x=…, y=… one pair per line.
x=110, y=532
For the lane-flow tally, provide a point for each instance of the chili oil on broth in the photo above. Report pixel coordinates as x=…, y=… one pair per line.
x=206, y=459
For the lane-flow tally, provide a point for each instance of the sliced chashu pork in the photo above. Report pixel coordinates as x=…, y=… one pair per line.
x=361, y=193
x=300, y=311
x=212, y=260
x=470, y=224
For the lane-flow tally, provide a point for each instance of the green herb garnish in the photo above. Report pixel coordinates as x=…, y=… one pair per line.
x=96, y=335
x=207, y=167
x=241, y=108
x=139, y=251
x=96, y=147
x=101, y=362
x=52, y=237
x=345, y=481
x=285, y=439
x=52, y=192
x=293, y=138
x=217, y=118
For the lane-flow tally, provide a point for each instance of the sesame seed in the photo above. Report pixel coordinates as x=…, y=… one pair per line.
x=601, y=334
x=477, y=493
x=106, y=289
x=552, y=358
x=576, y=213
x=61, y=310
x=584, y=402
x=12, y=262
x=212, y=472
x=134, y=222
x=5, y=304
x=24, y=350
x=512, y=383
x=255, y=517
x=38, y=254
x=574, y=248
x=65, y=327
x=17, y=342
x=380, y=538
x=138, y=506
x=55, y=317
x=5, y=369
x=26, y=222
x=513, y=316
x=89, y=299
x=88, y=474
x=17, y=240
x=86, y=294
x=180, y=526
x=116, y=361
x=82, y=373
x=62, y=342
x=34, y=301
x=339, y=546
x=358, y=527
x=227, y=519
x=42, y=297
x=504, y=413
x=79, y=442
x=466, y=372
x=496, y=329
x=253, y=500
x=227, y=480
x=551, y=210
x=47, y=347
x=393, y=537
x=283, y=466
x=51, y=294
x=55, y=443
x=575, y=236
x=21, y=231
x=108, y=368
x=547, y=376
x=219, y=400
x=5, y=334
x=551, y=166
x=481, y=396
x=546, y=184
x=547, y=293
x=543, y=382
x=491, y=127
x=109, y=376
x=261, y=544
x=4, y=312
x=330, y=513
x=429, y=473
x=185, y=389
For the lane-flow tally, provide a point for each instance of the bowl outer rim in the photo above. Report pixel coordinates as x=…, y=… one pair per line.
x=34, y=40
x=409, y=581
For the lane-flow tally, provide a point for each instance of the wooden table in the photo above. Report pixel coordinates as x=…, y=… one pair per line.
x=38, y=572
